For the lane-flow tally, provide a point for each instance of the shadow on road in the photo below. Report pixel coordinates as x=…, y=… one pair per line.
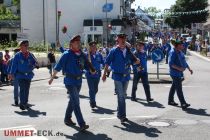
x=31, y=113
x=83, y=97
x=136, y=128
x=101, y=110
x=87, y=135
x=2, y=89
x=201, y=112
x=152, y=104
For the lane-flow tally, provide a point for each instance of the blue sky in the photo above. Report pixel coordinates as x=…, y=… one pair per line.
x=160, y=4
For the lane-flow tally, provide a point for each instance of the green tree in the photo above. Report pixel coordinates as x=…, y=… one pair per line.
x=16, y=3
x=184, y=20
x=152, y=11
x=6, y=14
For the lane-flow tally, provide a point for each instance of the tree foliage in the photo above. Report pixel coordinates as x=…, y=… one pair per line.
x=6, y=14
x=185, y=20
x=16, y=3
x=152, y=11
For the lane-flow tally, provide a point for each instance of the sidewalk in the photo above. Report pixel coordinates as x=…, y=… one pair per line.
x=164, y=77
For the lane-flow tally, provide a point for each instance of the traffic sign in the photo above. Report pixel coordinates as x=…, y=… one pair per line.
x=157, y=55
x=107, y=7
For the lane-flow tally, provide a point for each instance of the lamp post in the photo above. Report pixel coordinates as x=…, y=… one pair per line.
x=93, y=20
x=44, y=37
x=106, y=27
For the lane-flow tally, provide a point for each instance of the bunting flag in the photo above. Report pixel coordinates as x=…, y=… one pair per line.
x=172, y=14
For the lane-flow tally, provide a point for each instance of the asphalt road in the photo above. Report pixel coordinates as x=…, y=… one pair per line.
x=48, y=104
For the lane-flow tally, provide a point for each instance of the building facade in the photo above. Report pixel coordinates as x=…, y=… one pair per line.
x=9, y=28
x=39, y=19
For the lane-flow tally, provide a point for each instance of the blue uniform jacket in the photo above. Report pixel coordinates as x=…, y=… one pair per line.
x=120, y=65
x=22, y=67
x=177, y=58
x=73, y=65
x=10, y=64
x=97, y=62
x=62, y=49
x=143, y=61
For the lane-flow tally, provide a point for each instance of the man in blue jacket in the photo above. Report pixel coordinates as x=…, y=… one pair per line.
x=22, y=68
x=120, y=58
x=93, y=79
x=177, y=65
x=141, y=73
x=72, y=63
x=15, y=80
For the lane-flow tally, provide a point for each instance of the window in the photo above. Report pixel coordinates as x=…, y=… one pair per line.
x=1, y=1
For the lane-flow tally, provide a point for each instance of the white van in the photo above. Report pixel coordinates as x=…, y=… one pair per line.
x=185, y=35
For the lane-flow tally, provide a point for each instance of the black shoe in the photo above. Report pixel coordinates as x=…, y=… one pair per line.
x=124, y=120
x=133, y=99
x=70, y=123
x=16, y=103
x=184, y=106
x=172, y=103
x=84, y=127
x=150, y=100
x=92, y=105
x=27, y=106
x=22, y=107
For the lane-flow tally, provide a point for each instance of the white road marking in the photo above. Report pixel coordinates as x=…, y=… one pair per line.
x=17, y=127
x=32, y=138
x=144, y=117
x=168, y=86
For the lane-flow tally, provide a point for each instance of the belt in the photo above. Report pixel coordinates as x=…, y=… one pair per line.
x=123, y=74
x=73, y=76
x=24, y=73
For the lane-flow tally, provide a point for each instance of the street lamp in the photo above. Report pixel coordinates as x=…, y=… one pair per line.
x=93, y=20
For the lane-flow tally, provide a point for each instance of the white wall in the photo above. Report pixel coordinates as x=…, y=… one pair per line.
x=73, y=14
x=32, y=19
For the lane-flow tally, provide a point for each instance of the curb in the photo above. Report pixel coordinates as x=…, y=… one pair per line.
x=198, y=55
x=161, y=81
x=156, y=81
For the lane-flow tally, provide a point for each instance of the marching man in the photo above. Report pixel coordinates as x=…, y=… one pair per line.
x=22, y=68
x=141, y=73
x=120, y=59
x=72, y=64
x=93, y=79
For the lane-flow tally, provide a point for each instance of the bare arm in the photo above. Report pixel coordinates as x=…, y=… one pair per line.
x=105, y=72
x=53, y=77
x=178, y=68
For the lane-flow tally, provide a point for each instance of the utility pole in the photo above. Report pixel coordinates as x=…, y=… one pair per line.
x=106, y=27
x=44, y=32
x=93, y=20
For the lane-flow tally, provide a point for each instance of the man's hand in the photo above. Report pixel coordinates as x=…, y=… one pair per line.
x=104, y=78
x=137, y=61
x=92, y=72
x=58, y=44
x=50, y=81
x=10, y=77
x=191, y=71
